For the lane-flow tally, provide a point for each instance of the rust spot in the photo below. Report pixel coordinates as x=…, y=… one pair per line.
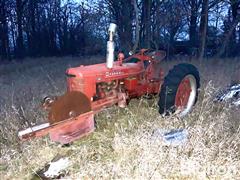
x=71, y=104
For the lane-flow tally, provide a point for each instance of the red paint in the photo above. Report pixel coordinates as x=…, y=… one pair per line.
x=81, y=126
x=183, y=93
x=137, y=79
x=104, y=88
x=65, y=131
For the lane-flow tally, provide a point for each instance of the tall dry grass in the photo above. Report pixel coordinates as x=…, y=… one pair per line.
x=124, y=145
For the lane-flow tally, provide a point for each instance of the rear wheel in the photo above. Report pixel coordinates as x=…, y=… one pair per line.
x=179, y=91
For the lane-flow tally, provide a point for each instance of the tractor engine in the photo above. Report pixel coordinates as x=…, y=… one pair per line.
x=90, y=87
x=106, y=89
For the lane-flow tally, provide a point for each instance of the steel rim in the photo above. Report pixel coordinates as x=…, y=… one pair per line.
x=186, y=95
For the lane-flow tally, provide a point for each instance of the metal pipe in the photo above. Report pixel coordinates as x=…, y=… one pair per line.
x=110, y=46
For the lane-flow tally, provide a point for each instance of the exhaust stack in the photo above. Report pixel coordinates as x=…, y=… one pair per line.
x=110, y=45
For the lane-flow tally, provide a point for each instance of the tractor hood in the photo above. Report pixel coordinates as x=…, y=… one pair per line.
x=86, y=71
x=100, y=71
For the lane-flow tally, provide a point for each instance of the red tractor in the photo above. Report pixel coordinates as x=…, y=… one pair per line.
x=95, y=87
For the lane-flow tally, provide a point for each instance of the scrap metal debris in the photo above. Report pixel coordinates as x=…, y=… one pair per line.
x=57, y=167
x=175, y=137
x=231, y=94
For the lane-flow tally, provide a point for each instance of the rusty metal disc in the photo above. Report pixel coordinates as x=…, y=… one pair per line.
x=69, y=105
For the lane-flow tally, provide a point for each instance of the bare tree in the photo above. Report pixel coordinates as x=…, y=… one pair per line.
x=137, y=28
x=235, y=7
x=20, y=5
x=4, y=38
x=194, y=9
x=50, y=28
x=203, y=28
x=146, y=23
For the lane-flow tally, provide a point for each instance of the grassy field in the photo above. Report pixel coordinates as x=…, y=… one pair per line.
x=123, y=145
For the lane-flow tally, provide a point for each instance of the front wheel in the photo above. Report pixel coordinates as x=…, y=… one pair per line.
x=179, y=91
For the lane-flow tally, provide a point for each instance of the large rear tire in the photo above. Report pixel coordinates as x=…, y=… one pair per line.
x=179, y=91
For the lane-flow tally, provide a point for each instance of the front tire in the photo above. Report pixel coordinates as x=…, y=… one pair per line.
x=179, y=91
